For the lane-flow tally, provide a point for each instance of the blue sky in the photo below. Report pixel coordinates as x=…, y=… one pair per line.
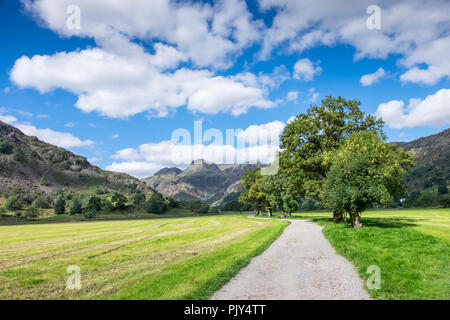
x=116, y=88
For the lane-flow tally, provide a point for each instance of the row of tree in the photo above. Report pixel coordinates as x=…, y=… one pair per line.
x=336, y=154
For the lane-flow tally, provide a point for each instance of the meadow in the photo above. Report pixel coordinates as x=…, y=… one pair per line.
x=171, y=258
x=410, y=246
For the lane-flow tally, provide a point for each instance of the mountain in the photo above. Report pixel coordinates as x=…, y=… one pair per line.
x=201, y=181
x=35, y=165
x=432, y=162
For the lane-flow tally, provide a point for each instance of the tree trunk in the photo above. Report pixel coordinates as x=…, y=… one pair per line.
x=283, y=214
x=259, y=212
x=338, y=217
x=356, y=220
x=269, y=212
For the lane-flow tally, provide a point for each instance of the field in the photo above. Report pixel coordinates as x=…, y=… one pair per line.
x=411, y=247
x=171, y=258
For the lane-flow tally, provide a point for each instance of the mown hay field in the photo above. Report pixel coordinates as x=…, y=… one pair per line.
x=174, y=258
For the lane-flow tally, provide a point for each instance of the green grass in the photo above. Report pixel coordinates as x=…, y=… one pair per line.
x=411, y=247
x=130, y=259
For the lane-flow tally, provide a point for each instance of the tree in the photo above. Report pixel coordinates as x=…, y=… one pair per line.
x=252, y=192
x=139, y=198
x=89, y=213
x=442, y=188
x=60, y=205
x=20, y=155
x=41, y=202
x=426, y=199
x=213, y=209
x=76, y=207
x=232, y=206
x=95, y=203
x=364, y=170
x=32, y=213
x=119, y=201
x=155, y=204
x=321, y=129
x=14, y=203
x=444, y=200
x=5, y=147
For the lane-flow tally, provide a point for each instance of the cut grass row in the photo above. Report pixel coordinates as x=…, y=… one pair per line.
x=411, y=248
x=135, y=259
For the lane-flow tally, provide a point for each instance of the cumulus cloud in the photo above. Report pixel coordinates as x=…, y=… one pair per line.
x=371, y=78
x=209, y=35
x=301, y=25
x=121, y=85
x=292, y=95
x=305, y=70
x=255, y=143
x=60, y=139
x=434, y=111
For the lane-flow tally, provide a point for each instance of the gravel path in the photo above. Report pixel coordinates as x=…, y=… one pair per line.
x=300, y=264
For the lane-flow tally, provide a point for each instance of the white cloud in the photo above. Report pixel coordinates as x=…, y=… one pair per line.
x=305, y=70
x=292, y=95
x=268, y=133
x=8, y=119
x=94, y=160
x=135, y=168
x=434, y=111
x=414, y=29
x=255, y=143
x=127, y=84
x=60, y=139
x=115, y=136
x=210, y=35
x=313, y=96
x=71, y=124
x=371, y=78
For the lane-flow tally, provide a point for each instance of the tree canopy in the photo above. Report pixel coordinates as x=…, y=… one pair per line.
x=364, y=170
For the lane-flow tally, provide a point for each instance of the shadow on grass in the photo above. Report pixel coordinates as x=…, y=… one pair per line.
x=373, y=222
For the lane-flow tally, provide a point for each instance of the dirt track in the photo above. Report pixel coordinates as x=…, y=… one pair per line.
x=300, y=264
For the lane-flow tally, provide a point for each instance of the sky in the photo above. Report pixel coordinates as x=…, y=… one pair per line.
x=135, y=86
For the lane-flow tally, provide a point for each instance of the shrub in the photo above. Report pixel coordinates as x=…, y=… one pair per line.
x=444, y=200
x=213, y=209
x=155, y=204
x=442, y=188
x=107, y=205
x=139, y=198
x=204, y=208
x=20, y=155
x=232, y=206
x=95, y=203
x=5, y=147
x=76, y=207
x=32, y=213
x=426, y=199
x=173, y=203
x=41, y=202
x=89, y=213
x=119, y=201
x=14, y=203
x=60, y=205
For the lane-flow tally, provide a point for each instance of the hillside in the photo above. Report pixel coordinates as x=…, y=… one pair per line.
x=201, y=181
x=432, y=163
x=38, y=166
